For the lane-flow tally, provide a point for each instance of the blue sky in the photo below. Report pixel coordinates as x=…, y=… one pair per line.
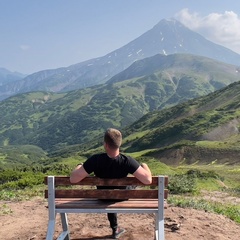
x=38, y=35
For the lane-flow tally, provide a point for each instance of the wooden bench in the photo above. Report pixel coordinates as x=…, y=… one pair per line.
x=64, y=199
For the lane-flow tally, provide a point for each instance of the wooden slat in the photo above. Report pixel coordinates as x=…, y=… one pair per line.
x=106, y=193
x=95, y=204
x=127, y=181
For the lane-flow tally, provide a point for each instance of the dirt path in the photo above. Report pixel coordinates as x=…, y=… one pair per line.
x=28, y=221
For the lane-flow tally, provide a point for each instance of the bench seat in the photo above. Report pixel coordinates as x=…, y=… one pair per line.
x=97, y=204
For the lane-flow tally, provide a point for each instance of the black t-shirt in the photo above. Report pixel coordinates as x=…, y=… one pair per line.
x=105, y=167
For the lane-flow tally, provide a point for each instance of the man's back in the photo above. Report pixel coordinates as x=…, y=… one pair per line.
x=105, y=167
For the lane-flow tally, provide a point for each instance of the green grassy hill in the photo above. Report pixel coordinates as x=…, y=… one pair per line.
x=205, y=129
x=20, y=155
x=53, y=121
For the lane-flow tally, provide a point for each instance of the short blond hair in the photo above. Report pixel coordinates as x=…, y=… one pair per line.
x=113, y=138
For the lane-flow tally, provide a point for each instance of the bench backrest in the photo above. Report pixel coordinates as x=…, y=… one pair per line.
x=88, y=189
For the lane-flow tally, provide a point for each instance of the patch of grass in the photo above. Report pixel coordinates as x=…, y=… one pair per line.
x=209, y=184
x=228, y=210
x=7, y=195
x=135, y=136
x=139, y=154
x=5, y=209
x=157, y=168
x=22, y=194
x=72, y=161
x=212, y=144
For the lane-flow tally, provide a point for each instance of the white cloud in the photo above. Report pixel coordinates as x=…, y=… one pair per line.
x=221, y=28
x=24, y=47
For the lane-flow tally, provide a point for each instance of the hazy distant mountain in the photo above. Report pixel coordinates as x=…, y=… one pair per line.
x=167, y=37
x=7, y=76
x=53, y=120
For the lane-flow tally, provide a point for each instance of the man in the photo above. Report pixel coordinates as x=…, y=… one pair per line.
x=112, y=164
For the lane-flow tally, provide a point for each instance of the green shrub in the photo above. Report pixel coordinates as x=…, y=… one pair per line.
x=27, y=179
x=30, y=176
x=179, y=184
x=197, y=173
x=9, y=175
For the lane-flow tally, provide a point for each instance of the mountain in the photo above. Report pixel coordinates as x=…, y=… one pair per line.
x=167, y=37
x=181, y=65
x=52, y=121
x=8, y=78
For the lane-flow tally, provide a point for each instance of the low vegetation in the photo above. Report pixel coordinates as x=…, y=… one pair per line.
x=229, y=210
x=192, y=183
x=185, y=186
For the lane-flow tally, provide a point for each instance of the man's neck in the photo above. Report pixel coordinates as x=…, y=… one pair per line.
x=113, y=154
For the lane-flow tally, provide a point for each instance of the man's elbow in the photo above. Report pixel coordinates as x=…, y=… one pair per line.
x=73, y=179
x=148, y=181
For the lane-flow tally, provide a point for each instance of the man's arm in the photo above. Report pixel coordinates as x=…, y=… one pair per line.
x=143, y=174
x=78, y=174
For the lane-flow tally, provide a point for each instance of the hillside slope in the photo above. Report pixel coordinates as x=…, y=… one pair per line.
x=51, y=120
x=205, y=129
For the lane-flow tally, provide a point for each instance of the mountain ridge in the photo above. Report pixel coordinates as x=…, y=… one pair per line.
x=161, y=62
x=7, y=76
x=166, y=37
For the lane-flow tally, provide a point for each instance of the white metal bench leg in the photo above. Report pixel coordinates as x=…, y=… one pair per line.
x=51, y=230
x=160, y=214
x=51, y=209
x=159, y=229
x=160, y=226
x=156, y=227
x=65, y=233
